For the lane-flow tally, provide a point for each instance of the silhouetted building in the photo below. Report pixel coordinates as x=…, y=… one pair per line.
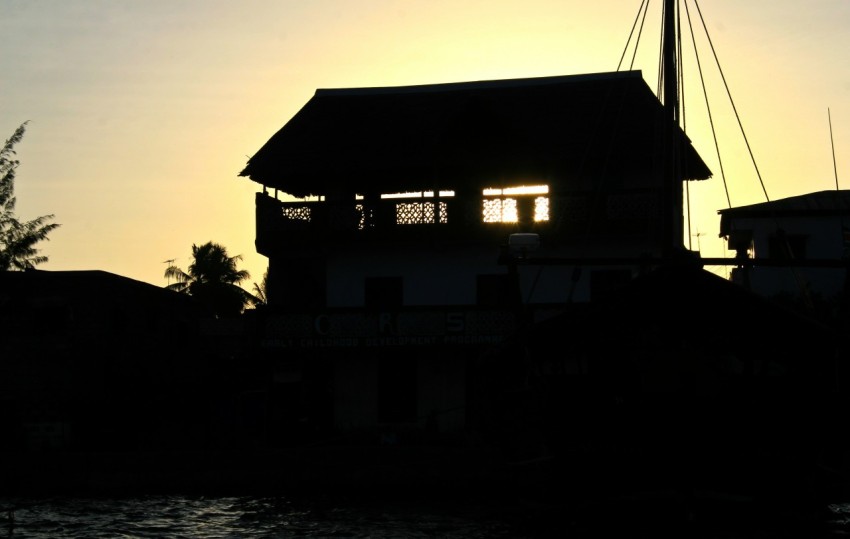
x=386, y=213
x=679, y=378
x=796, y=234
x=93, y=361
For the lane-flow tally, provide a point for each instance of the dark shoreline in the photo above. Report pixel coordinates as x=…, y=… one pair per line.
x=361, y=469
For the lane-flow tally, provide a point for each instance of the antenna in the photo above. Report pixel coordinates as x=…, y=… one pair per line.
x=170, y=263
x=832, y=143
x=697, y=236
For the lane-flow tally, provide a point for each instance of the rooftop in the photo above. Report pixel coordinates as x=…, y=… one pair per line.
x=467, y=135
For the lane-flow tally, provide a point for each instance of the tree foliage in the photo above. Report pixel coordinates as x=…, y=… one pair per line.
x=213, y=280
x=260, y=290
x=18, y=238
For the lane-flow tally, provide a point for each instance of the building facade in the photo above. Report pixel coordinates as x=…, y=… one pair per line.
x=388, y=214
x=803, y=243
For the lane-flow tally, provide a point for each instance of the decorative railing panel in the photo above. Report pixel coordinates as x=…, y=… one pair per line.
x=561, y=217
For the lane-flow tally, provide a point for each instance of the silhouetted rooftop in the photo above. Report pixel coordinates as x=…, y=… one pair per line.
x=820, y=203
x=690, y=303
x=94, y=287
x=468, y=135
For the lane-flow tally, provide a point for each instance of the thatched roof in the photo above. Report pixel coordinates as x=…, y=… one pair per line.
x=468, y=135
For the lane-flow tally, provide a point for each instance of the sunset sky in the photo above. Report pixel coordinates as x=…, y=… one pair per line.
x=142, y=113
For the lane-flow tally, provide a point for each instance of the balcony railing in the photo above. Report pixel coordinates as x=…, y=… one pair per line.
x=325, y=222
x=456, y=219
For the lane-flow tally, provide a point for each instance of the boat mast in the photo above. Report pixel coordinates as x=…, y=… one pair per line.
x=672, y=214
x=671, y=88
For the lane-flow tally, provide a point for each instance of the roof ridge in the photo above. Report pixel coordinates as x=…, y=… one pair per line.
x=478, y=85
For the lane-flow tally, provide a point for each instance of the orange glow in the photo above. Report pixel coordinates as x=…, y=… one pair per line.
x=159, y=80
x=518, y=190
x=418, y=194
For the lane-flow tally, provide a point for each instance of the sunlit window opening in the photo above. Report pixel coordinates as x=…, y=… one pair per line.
x=500, y=207
x=518, y=190
x=418, y=194
x=541, y=209
x=362, y=220
x=500, y=210
x=411, y=213
x=410, y=208
x=289, y=198
x=300, y=213
x=415, y=212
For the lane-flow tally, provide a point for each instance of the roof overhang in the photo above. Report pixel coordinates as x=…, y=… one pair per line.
x=467, y=135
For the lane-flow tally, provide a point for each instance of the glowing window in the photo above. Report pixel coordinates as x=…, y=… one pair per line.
x=541, y=209
x=518, y=190
x=297, y=213
x=410, y=208
x=362, y=215
x=500, y=204
x=412, y=211
x=409, y=213
x=500, y=210
x=418, y=194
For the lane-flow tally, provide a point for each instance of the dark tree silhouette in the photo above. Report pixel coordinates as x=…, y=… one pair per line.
x=261, y=290
x=213, y=280
x=18, y=238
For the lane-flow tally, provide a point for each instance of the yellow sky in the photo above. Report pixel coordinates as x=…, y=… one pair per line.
x=142, y=113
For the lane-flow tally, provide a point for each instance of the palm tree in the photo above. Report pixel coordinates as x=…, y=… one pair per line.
x=261, y=289
x=18, y=238
x=213, y=280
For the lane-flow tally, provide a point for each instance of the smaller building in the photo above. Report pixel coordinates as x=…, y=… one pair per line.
x=93, y=361
x=677, y=377
x=794, y=247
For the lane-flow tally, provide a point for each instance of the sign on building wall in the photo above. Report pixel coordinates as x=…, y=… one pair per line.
x=387, y=329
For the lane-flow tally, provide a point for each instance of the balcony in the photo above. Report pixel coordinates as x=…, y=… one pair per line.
x=305, y=223
x=411, y=221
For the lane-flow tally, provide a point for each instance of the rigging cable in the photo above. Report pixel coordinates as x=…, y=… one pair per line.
x=644, y=6
x=680, y=103
x=798, y=278
x=708, y=107
x=597, y=133
x=794, y=270
x=641, y=16
x=659, y=86
x=731, y=102
x=834, y=166
x=711, y=123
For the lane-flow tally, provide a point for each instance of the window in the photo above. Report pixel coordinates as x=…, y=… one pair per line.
x=787, y=247
x=500, y=210
x=409, y=213
x=383, y=292
x=511, y=204
x=414, y=208
x=411, y=208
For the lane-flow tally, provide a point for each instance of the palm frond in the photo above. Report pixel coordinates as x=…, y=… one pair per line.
x=18, y=238
x=260, y=289
x=213, y=278
x=173, y=272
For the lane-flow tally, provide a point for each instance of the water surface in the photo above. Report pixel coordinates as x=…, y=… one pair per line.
x=280, y=517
